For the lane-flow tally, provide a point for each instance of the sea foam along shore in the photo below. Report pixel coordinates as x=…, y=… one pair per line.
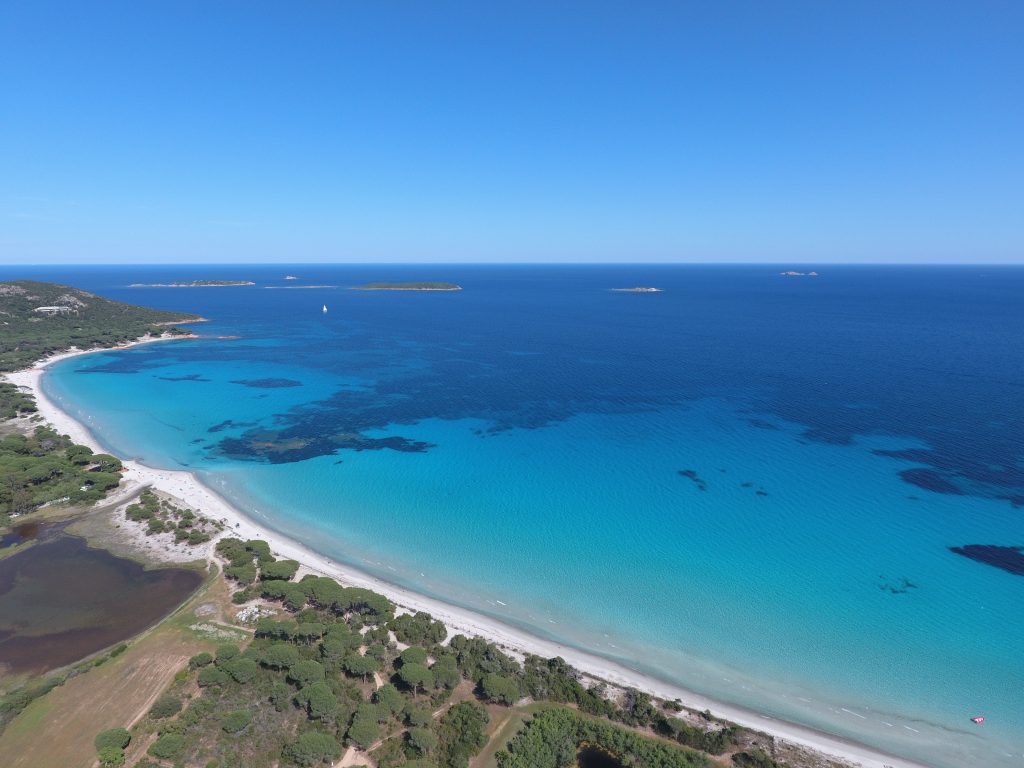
x=190, y=490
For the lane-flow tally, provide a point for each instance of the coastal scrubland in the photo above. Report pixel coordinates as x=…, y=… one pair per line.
x=335, y=670
x=163, y=516
x=41, y=468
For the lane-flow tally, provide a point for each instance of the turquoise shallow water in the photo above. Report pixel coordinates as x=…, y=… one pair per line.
x=662, y=492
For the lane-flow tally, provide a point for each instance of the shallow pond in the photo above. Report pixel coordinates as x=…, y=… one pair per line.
x=595, y=757
x=61, y=600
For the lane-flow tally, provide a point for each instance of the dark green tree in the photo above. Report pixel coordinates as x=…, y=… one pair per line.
x=241, y=669
x=413, y=655
x=282, y=570
x=280, y=696
x=446, y=673
x=500, y=689
x=235, y=721
x=280, y=656
x=226, y=652
x=417, y=716
x=364, y=730
x=416, y=676
x=306, y=672
x=423, y=740
x=389, y=699
x=360, y=666
x=462, y=733
x=312, y=748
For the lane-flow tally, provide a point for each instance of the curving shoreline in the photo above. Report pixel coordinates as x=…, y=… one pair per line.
x=190, y=489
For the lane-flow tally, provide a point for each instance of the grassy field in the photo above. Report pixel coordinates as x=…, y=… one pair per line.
x=505, y=723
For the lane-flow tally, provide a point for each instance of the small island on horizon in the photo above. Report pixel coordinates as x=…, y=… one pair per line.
x=413, y=286
x=637, y=289
x=194, y=284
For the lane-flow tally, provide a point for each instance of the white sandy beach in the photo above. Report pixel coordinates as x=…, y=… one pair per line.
x=186, y=487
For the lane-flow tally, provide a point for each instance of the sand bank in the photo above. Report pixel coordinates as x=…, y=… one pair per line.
x=193, y=493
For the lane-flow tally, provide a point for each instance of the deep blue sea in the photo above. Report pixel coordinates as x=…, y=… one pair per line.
x=747, y=484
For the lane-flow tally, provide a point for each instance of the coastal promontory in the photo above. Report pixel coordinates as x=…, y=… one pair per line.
x=38, y=319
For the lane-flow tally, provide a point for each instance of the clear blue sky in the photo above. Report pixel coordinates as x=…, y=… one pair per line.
x=166, y=131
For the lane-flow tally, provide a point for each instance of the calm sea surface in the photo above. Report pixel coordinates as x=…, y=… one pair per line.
x=748, y=484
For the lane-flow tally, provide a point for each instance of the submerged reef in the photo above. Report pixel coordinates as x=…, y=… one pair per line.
x=230, y=424
x=282, y=447
x=1009, y=559
x=267, y=383
x=697, y=479
x=186, y=377
x=930, y=481
x=898, y=587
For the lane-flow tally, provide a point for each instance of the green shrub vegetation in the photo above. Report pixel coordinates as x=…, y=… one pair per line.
x=462, y=733
x=282, y=569
x=714, y=740
x=115, y=737
x=754, y=759
x=312, y=748
x=110, y=747
x=165, y=706
x=14, y=402
x=418, y=629
x=302, y=690
x=551, y=739
x=200, y=660
x=227, y=652
x=168, y=747
x=163, y=516
x=416, y=676
x=47, y=468
x=211, y=676
x=84, y=320
x=236, y=721
x=110, y=757
x=365, y=729
x=241, y=670
x=413, y=655
x=500, y=689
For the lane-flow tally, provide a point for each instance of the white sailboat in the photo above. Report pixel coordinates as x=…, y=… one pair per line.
x=325, y=309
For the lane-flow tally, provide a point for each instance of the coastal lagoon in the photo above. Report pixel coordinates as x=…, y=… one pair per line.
x=61, y=600
x=747, y=483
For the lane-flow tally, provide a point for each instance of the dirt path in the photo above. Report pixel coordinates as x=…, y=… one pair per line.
x=354, y=757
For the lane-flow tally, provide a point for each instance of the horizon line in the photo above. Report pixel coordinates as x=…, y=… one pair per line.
x=520, y=264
